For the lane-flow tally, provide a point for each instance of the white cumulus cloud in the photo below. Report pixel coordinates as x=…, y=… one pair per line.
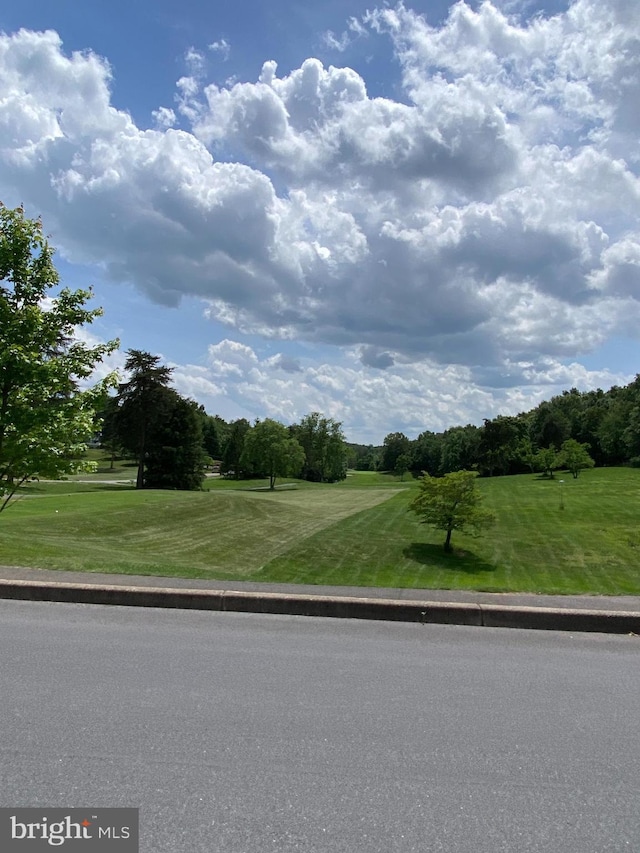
x=484, y=219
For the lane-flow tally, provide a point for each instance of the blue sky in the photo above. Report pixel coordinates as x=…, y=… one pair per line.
x=405, y=216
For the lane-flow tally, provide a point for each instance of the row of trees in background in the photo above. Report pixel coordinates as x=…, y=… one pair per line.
x=574, y=430
x=174, y=440
x=45, y=416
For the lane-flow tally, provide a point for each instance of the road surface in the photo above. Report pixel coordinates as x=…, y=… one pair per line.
x=242, y=733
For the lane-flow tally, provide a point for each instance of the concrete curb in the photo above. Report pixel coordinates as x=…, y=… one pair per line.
x=342, y=607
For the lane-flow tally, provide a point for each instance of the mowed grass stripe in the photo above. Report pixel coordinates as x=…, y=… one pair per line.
x=343, y=535
x=215, y=534
x=590, y=546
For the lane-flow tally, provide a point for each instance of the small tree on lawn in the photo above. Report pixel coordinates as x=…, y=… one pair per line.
x=575, y=456
x=450, y=503
x=269, y=449
x=546, y=460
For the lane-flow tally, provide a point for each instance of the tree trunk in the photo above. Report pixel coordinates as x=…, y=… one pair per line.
x=141, y=455
x=447, y=543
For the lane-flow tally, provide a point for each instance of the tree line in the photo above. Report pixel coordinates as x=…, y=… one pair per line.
x=574, y=430
x=174, y=440
x=47, y=416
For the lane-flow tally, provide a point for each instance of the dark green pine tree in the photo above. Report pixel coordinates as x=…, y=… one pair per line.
x=175, y=457
x=140, y=405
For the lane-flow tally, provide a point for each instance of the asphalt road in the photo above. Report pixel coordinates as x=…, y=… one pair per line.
x=242, y=733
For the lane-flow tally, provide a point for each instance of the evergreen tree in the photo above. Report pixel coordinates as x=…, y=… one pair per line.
x=140, y=403
x=175, y=457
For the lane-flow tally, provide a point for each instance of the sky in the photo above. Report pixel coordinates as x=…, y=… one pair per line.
x=406, y=217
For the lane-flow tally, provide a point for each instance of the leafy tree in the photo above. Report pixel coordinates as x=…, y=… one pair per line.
x=363, y=457
x=427, y=453
x=450, y=503
x=547, y=460
x=394, y=444
x=460, y=448
x=612, y=427
x=499, y=444
x=550, y=426
x=108, y=420
x=232, y=453
x=526, y=454
x=45, y=419
x=214, y=434
x=631, y=435
x=270, y=450
x=575, y=456
x=140, y=405
x=324, y=448
x=402, y=465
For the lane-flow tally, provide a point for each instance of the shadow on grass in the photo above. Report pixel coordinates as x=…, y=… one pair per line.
x=72, y=487
x=456, y=561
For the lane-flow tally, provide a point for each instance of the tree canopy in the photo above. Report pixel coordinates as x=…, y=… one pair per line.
x=575, y=456
x=450, y=503
x=324, y=448
x=159, y=427
x=175, y=455
x=271, y=451
x=141, y=400
x=45, y=417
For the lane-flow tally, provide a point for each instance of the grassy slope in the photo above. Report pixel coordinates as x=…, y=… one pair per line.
x=592, y=545
x=358, y=532
x=220, y=533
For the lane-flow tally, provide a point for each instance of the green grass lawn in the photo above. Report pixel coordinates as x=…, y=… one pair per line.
x=217, y=533
x=590, y=546
x=354, y=533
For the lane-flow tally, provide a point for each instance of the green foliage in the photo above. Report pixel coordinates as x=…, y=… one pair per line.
x=550, y=425
x=427, y=453
x=45, y=420
x=525, y=454
x=232, y=455
x=159, y=427
x=450, y=503
x=499, y=444
x=394, y=445
x=403, y=463
x=324, y=448
x=547, y=460
x=141, y=401
x=270, y=450
x=175, y=457
x=363, y=457
x=214, y=434
x=575, y=456
x=460, y=449
x=107, y=421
